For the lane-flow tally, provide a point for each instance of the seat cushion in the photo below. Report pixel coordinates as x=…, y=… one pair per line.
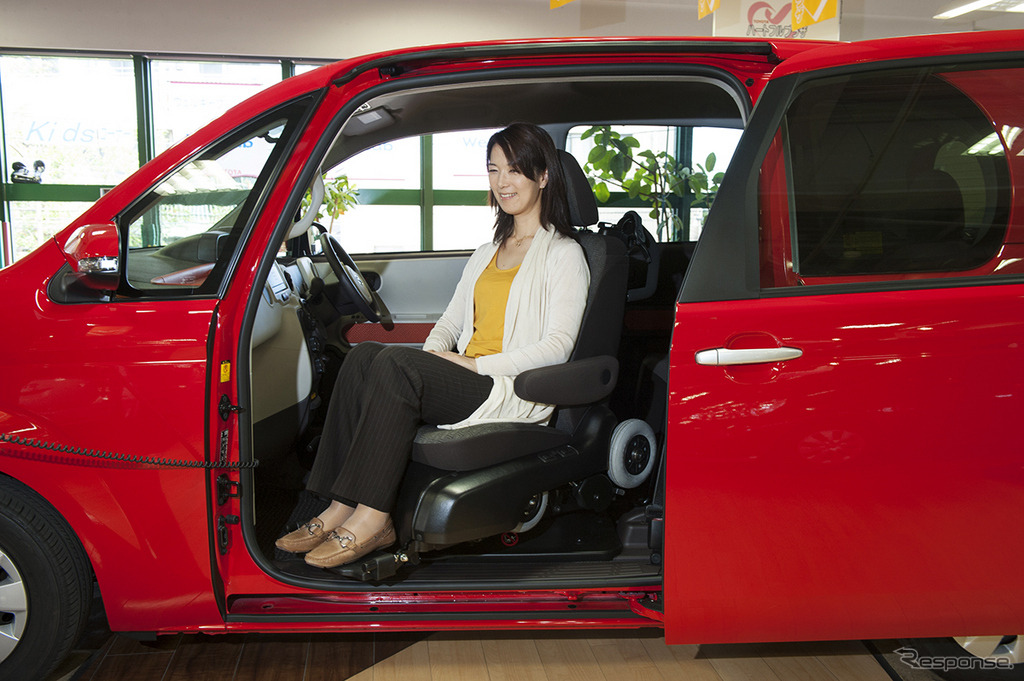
x=486, y=444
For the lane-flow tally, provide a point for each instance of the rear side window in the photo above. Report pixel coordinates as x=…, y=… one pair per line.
x=893, y=175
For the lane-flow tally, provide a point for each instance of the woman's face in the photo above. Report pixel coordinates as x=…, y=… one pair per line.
x=517, y=194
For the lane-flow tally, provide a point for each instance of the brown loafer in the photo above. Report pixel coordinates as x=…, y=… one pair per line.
x=341, y=547
x=307, y=537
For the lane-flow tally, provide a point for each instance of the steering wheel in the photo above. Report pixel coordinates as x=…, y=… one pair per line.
x=353, y=284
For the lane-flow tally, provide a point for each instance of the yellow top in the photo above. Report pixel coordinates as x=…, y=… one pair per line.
x=490, y=298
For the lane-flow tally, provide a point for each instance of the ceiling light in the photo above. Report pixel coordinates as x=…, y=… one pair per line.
x=965, y=8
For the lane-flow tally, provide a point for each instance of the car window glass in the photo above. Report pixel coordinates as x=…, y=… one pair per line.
x=181, y=235
x=667, y=174
x=893, y=176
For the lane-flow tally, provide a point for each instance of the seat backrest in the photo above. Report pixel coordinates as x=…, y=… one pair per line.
x=609, y=268
x=606, y=256
x=606, y=300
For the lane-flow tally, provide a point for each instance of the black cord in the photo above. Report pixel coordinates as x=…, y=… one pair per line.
x=124, y=458
x=882, y=662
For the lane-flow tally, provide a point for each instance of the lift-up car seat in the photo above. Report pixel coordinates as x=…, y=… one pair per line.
x=476, y=482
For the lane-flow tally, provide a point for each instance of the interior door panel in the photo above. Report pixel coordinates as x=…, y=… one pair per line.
x=416, y=288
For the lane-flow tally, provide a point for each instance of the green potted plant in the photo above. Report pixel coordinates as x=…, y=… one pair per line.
x=657, y=178
x=339, y=195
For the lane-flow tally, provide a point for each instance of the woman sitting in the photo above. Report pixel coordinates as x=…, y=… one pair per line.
x=518, y=306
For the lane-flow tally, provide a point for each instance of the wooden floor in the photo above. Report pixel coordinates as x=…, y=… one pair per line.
x=468, y=656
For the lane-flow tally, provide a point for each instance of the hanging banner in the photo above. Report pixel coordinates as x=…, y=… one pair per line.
x=558, y=3
x=771, y=19
x=807, y=12
x=706, y=7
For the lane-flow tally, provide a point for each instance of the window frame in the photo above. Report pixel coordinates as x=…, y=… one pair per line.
x=296, y=113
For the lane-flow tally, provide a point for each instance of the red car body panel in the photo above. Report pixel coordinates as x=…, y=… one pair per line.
x=861, y=489
x=838, y=495
x=115, y=378
x=763, y=543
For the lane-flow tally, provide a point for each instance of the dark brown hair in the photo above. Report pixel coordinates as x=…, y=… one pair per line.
x=530, y=151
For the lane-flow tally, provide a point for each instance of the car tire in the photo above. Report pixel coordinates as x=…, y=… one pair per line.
x=949, y=659
x=45, y=584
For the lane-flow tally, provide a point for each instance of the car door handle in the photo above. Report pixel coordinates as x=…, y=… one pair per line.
x=721, y=357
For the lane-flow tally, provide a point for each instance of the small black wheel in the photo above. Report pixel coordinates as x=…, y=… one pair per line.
x=45, y=584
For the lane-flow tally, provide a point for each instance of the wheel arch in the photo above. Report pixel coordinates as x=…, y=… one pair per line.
x=47, y=579
x=132, y=525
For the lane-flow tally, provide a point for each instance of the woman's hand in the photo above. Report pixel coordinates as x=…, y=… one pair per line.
x=461, y=360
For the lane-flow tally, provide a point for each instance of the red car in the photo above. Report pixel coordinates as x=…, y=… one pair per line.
x=808, y=437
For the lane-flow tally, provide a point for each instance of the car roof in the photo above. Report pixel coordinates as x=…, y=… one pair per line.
x=397, y=61
x=908, y=47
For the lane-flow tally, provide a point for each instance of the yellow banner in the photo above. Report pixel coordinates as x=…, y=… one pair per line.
x=706, y=7
x=807, y=12
x=558, y=3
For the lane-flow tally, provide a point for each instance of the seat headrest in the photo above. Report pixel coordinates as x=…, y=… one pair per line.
x=582, y=204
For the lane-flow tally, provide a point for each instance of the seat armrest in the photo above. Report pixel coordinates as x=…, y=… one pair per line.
x=582, y=381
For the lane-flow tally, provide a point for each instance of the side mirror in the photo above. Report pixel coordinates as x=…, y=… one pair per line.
x=92, y=252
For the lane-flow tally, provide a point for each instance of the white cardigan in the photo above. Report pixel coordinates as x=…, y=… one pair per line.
x=542, y=320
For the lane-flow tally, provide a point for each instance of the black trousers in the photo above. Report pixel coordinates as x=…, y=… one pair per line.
x=382, y=396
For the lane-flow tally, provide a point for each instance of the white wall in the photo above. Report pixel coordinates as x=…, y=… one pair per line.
x=323, y=28
x=327, y=29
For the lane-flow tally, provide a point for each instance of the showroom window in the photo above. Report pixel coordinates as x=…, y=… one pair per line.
x=73, y=126
x=425, y=193
x=189, y=94
x=387, y=215
x=687, y=162
x=88, y=144
x=61, y=142
x=890, y=176
x=430, y=193
x=461, y=215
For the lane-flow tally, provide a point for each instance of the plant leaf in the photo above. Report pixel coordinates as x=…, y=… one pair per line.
x=621, y=146
x=619, y=165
